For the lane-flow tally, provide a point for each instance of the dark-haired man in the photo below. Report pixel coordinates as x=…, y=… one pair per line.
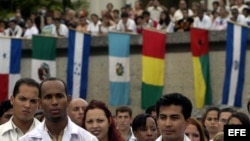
x=173, y=113
x=25, y=101
x=57, y=125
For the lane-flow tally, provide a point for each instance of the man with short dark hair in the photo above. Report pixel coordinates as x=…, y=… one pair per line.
x=223, y=116
x=123, y=121
x=25, y=101
x=57, y=125
x=173, y=113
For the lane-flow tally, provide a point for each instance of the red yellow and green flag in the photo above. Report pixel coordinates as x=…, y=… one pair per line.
x=153, y=66
x=200, y=54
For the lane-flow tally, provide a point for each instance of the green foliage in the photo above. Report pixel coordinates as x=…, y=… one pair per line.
x=8, y=7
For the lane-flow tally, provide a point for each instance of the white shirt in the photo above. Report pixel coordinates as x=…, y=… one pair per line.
x=94, y=28
x=185, y=138
x=241, y=20
x=17, y=32
x=72, y=132
x=130, y=24
x=30, y=31
x=220, y=23
x=10, y=132
x=155, y=12
x=178, y=14
x=206, y=22
x=63, y=30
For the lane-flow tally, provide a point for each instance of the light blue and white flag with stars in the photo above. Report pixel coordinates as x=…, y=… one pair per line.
x=119, y=70
x=10, y=65
x=78, y=60
x=235, y=64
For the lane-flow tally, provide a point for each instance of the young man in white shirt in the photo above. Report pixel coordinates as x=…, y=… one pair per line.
x=14, y=29
x=202, y=20
x=57, y=125
x=126, y=24
x=173, y=112
x=25, y=101
x=31, y=29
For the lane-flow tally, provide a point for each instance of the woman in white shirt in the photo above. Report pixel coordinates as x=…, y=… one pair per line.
x=106, y=25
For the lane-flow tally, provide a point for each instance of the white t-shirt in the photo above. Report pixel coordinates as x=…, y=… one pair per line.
x=205, y=23
x=94, y=28
x=130, y=24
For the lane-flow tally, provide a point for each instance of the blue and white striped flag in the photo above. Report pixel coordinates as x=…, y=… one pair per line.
x=78, y=60
x=119, y=70
x=235, y=64
x=10, y=63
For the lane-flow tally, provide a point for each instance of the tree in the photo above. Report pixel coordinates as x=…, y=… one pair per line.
x=8, y=7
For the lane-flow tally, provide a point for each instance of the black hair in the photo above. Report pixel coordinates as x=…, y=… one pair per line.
x=124, y=15
x=140, y=121
x=150, y=109
x=53, y=79
x=243, y=117
x=5, y=106
x=213, y=108
x=27, y=81
x=175, y=99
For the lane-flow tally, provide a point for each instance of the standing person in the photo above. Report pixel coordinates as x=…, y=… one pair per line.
x=173, y=113
x=99, y=121
x=144, y=128
x=25, y=101
x=210, y=121
x=76, y=110
x=223, y=116
x=56, y=125
x=123, y=121
x=195, y=131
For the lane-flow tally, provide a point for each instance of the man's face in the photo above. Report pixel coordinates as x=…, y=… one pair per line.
x=123, y=120
x=76, y=110
x=54, y=100
x=25, y=103
x=223, y=119
x=182, y=4
x=171, y=122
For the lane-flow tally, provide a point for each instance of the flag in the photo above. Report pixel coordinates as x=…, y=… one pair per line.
x=235, y=64
x=153, y=66
x=78, y=60
x=43, y=63
x=200, y=57
x=119, y=70
x=10, y=54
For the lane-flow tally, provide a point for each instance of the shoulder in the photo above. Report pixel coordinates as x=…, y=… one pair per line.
x=79, y=131
x=5, y=127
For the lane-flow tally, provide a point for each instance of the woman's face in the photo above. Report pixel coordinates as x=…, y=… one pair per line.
x=163, y=16
x=147, y=133
x=193, y=133
x=234, y=121
x=97, y=123
x=211, y=121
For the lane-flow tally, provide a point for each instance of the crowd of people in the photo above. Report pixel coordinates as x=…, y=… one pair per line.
x=128, y=19
x=45, y=112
